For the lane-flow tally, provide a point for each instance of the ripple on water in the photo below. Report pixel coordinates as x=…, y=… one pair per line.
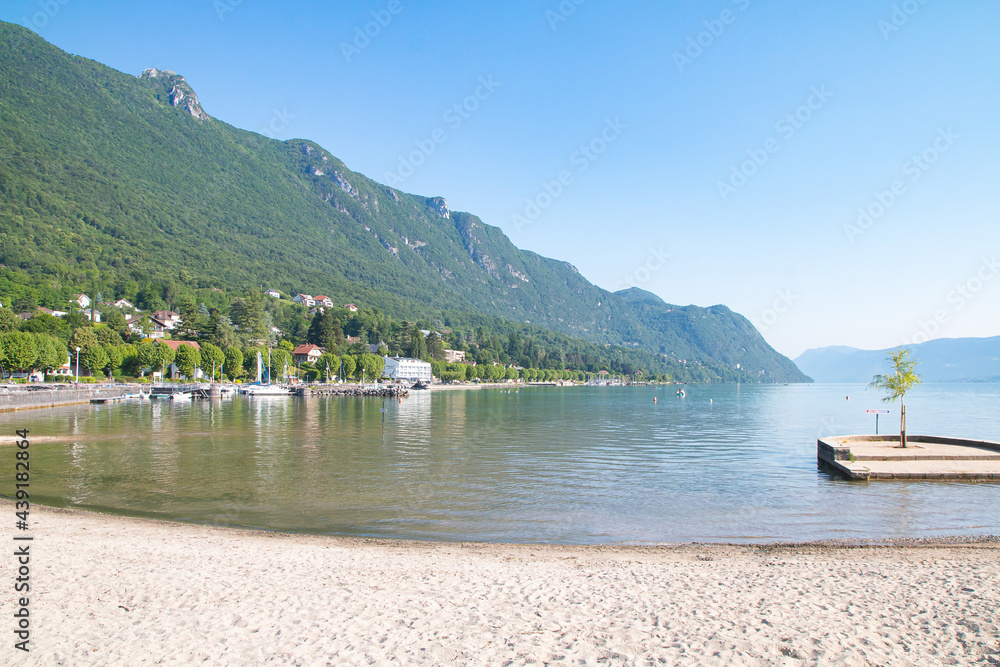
x=551, y=465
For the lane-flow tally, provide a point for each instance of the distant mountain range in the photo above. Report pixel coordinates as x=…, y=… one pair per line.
x=108, y=177
x=942, y=360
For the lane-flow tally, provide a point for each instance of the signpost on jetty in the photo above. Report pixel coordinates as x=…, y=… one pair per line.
x=877, y=413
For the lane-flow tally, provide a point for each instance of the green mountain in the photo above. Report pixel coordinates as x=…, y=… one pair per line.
x=108, y=177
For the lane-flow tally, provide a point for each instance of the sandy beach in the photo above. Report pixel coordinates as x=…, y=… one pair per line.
x=109, y=590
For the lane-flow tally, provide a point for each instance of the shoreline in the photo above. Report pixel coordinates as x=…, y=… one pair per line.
x=122, y=590
x=831, y=544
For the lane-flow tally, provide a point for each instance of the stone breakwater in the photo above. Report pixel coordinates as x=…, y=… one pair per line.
x=380, y=391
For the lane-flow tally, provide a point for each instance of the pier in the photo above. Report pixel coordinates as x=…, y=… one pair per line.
x=926, y=457
x=57, y=395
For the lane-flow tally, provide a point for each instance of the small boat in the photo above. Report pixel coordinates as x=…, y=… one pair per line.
x=267, y=390
x=171, y=393
x=264, y=387
x=419, y=385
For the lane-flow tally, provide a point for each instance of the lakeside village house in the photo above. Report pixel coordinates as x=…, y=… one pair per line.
x=161, y=322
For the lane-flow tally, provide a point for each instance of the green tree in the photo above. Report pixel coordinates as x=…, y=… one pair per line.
x=212, y=358
x=20, y=350
x=452, y=376
x=115, y=355
x=164, y=357
x=107, y=336
x=146, y=356
x=51, y=352
x=249, y=317
x=328, y=365
x=128, y=353
x=116, y=320
x=83, y=337
x=280, y=359
x=187, y=359
x=94, y=358
x=348, y=365
x=234, y=362
x=435, y=347
x=221, y=332
x=895, y=385
x=298, y=330
x=418, y=344
x=191, y=319
x=44, y=323
x=9, y=321
x=321, y=329
x=372, y=365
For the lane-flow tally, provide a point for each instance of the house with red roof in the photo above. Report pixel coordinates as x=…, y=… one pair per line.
x=307, y=353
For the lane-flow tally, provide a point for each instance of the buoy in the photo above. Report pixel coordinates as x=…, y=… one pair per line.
x=711, y=400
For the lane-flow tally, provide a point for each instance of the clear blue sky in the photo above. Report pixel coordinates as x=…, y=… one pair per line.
x=683, y=93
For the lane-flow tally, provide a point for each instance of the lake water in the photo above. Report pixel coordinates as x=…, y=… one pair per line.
x=565, y=465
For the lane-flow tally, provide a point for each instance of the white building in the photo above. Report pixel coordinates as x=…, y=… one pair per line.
x=405, y=368
x=304, y=299
x=273, y=293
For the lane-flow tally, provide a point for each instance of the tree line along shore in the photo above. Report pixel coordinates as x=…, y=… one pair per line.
x=222, y=341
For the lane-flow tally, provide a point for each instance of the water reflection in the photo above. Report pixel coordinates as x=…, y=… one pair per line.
x=564, y=465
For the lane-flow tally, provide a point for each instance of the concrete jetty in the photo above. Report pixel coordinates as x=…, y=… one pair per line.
x=52, y=396
x=926, y=457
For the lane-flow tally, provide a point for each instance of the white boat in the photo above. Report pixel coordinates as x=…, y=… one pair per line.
x=263, y=387
x=267, y=390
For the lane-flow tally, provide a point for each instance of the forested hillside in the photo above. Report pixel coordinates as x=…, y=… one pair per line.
x=125, y=185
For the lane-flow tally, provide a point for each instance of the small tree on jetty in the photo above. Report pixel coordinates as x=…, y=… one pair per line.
x=897, y=384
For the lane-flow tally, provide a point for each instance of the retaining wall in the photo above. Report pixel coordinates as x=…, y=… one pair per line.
x=47, y=398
